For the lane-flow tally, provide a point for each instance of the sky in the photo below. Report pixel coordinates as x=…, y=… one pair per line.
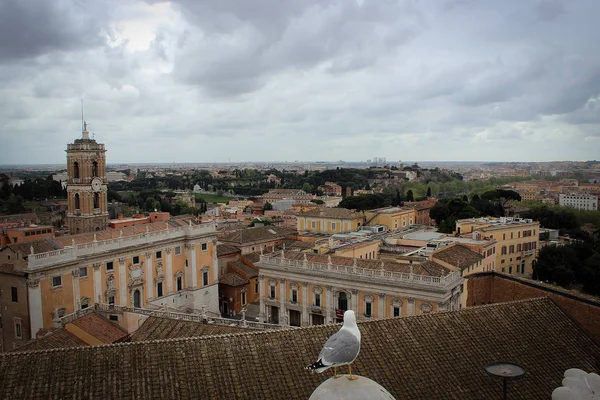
x=273, y=80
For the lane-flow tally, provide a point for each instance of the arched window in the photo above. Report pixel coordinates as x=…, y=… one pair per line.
x=342, y=301
x=76, y=170
x=94, y=168
x=76, y=201
x=96, y=200
x=137, y=299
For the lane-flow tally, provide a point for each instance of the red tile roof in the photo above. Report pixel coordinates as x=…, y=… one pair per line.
x=432, y=356
x=458, y=255
x=232, y=279
x=165, y=328
x=100, y=328
x=59, y=339
x=327, y=212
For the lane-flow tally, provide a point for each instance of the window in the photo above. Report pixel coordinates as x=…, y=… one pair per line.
x=111, y=300
x=511, y=235
x=158, y=255
x=82, y=272
x=177, y=250
x=368, y=309
x=14, y=294
x=114, y=317
x=56, y=281
x=396, y=311
x=204, y=246
x=85, y=303
x=159, y=289
x=333, y=226
x=318, y=299
x=76, y=170
x=510, y=269
x=244, y=298
x=256, y=287
x=136, y=259
x=503, y=250
x=511, y=249
x=110, y=266
x=314, y=224
x=504, y=236
x=94, y=168
x=18, y=330
x=96, y=200
x=76, y=199
x=294, y=296
x=272, y=292
x=205, y=278
x=179, y=283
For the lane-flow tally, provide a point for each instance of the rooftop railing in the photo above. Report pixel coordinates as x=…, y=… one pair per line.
x=71, y=253
x=379, y=274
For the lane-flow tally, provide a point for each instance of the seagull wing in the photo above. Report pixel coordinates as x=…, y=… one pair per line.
x=341, y=348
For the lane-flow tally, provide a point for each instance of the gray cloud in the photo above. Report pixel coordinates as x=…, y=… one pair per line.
x=301, y=79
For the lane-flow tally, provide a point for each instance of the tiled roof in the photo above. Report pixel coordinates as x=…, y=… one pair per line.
x=336, y=213
x=58, y=339
x=433, y=270
x=432, y=356
x=458, y=255
x=245, y=268
x=260, y=234
x=232, y=279
x=166, y=328
x=100, y=328
x=39, y=246
x=223, y=249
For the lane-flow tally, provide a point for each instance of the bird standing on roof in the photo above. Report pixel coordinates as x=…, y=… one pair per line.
x=341, y=348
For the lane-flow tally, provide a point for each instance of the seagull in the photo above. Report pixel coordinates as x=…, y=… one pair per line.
x=341, y=348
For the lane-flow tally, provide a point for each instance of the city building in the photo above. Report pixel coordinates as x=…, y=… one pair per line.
x=301, y=289
x=516, y=241
x=393, y=218
x=22, y=234
x=163, y=264
x=331, y=189
x=87, y=185
x=252, y=240
x=329, y=220
x=299, y=196
x=579, y=201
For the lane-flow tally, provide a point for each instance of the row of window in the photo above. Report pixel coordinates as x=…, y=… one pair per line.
x=519, y=247
x=76, y=169
x=526, y=233
x=39, y=232
x=17, y=327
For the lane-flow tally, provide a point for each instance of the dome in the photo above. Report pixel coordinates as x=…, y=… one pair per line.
x=343, y=388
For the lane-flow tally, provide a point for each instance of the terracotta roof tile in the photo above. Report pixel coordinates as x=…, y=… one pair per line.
x=251, y=272
x=100, y=328
x=260, y=234
x=458, y=255
x=433, y=356
x=59, y=339
x=232, y=279
x=224, y=249
x=165, y=328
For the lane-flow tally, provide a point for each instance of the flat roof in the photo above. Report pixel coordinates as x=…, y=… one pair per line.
x=423, y=236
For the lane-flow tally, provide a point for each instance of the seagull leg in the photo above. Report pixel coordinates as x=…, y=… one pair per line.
x=351, y=377
x=335, y=375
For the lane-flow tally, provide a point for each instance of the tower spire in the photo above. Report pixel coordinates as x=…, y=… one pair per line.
x=84, y=132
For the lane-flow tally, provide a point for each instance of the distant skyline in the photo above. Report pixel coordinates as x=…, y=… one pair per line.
x=207, y=81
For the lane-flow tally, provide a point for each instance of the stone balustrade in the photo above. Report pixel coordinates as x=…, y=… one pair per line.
x=71, y=253
x=344, y=271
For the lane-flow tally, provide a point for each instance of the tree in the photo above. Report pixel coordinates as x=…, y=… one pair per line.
x=307, y=187
x=267, y=206
x=410, y=196
x=428, y=191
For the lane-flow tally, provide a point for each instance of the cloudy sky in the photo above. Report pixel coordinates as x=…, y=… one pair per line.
x=204, y=80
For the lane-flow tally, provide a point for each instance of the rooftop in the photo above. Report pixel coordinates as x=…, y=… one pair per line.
x=430, y=356
x=327, y=212
x=253, y=235
x=458, y=255
x=155, y=328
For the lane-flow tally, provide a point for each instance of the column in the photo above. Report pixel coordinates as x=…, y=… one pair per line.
x=194, y=283
x=97, y=283
x=122, y=283
x=169, y=272
x=149, y=279
x=282, y=314
x=330, y=309
x=35, y=306
x=355, y=301
x=215, y=262
x=262, y=316
x=305, y=304
x=410, y=307
x=76, y=294
x=381, y=306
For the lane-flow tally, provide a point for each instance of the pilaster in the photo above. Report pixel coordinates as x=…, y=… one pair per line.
x=35, y=306
x=149, y=279
x=97, y=283
x=305, y=304
x=169, y=272
x=122, y=283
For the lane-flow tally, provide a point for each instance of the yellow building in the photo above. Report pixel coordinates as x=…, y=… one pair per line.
x=329, y=220
x=348, y=246
x=301, y=289
x=393, y=218
x=517, y=241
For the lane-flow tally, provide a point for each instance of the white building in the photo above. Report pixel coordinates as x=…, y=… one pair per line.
x=579, y=201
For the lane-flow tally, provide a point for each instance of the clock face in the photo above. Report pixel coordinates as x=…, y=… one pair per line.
x=96, y=184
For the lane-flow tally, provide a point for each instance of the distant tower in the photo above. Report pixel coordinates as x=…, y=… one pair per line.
x=86, y=187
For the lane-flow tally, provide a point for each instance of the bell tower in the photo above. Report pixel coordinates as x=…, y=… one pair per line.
x=87, y=185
